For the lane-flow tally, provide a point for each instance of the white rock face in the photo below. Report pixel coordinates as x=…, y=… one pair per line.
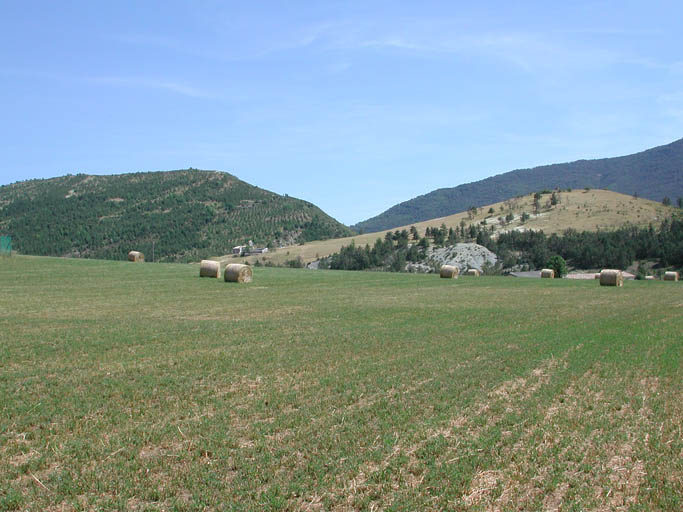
x=463, y=256
x=419, y=268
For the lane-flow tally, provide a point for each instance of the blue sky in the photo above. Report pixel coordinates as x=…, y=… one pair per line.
x=354, y=106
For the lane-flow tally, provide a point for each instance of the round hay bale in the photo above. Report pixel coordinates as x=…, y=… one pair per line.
x=649, y=278
x=473, y=272
x=449, y=271
x=597, y=275
x=548, y=273
x=670, y=276
x=136, y=256
x=209, y=268
x=237, y=273
x=610, y=277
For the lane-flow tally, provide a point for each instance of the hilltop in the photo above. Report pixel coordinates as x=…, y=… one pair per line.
x=180, y=215
x=652, y=174
x=581, y=210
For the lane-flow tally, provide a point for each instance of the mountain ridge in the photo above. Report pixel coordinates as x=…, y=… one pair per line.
x=652, y=174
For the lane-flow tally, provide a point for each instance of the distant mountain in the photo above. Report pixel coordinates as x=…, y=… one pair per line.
x=652, y=174
x=180, y=215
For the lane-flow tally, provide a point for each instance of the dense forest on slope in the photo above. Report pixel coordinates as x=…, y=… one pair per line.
x=180, y=215
x=652, y=174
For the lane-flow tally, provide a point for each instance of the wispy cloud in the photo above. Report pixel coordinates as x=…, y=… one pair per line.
x=339, y=66
x=151, y=83
x=117, y=81
x=611, y=31
x=530, y=50
x=676, y=67
x=538, y=49
x=33, y=73
x=526, y=50
x=227, y=43
x=672, y=104
x=145, y=40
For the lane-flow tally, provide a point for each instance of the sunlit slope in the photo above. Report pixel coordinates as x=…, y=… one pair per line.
x=582, y=210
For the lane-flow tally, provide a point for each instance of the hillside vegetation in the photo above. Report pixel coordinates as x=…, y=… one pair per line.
x=580, y=210
x=180, y=215
x=334, y=391
x=515, y=250
x=653, y=174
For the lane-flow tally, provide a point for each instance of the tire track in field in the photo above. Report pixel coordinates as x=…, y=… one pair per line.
x=460, y=430
x=529, y=467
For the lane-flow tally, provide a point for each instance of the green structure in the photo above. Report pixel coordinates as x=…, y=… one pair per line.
x=5, y=245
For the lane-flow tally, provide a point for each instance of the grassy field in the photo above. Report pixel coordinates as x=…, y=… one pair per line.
x=582, y=210
x=143, y=387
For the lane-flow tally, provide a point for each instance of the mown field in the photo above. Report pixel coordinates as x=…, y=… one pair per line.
x=143, y=387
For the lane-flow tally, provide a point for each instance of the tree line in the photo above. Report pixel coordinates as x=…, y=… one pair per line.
x=535, y=249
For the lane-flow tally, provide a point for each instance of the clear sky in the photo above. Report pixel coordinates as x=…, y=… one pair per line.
x=354, y=106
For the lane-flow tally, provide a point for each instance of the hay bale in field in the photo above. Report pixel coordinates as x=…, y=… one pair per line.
x=449, y=271
x=548, y=273
x=670, y=276
x=597, y=275
x=610, y=277
x=473, y=272
x=209, y=268
x=649, y=278
x=237, y=273
x=136, y=256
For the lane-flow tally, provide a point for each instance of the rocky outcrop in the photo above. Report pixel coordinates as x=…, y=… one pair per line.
x=463, y=256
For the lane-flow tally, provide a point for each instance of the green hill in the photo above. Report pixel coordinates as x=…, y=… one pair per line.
x=180, y=215
x=652, y=174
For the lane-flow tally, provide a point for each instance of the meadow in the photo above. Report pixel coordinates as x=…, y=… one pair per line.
x=143, y=387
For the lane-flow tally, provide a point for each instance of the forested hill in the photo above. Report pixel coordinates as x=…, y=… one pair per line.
x=186, y=215
x=652, y=174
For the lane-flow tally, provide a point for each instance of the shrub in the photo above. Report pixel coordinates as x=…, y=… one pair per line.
x=558, y=264
x=297, y=262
